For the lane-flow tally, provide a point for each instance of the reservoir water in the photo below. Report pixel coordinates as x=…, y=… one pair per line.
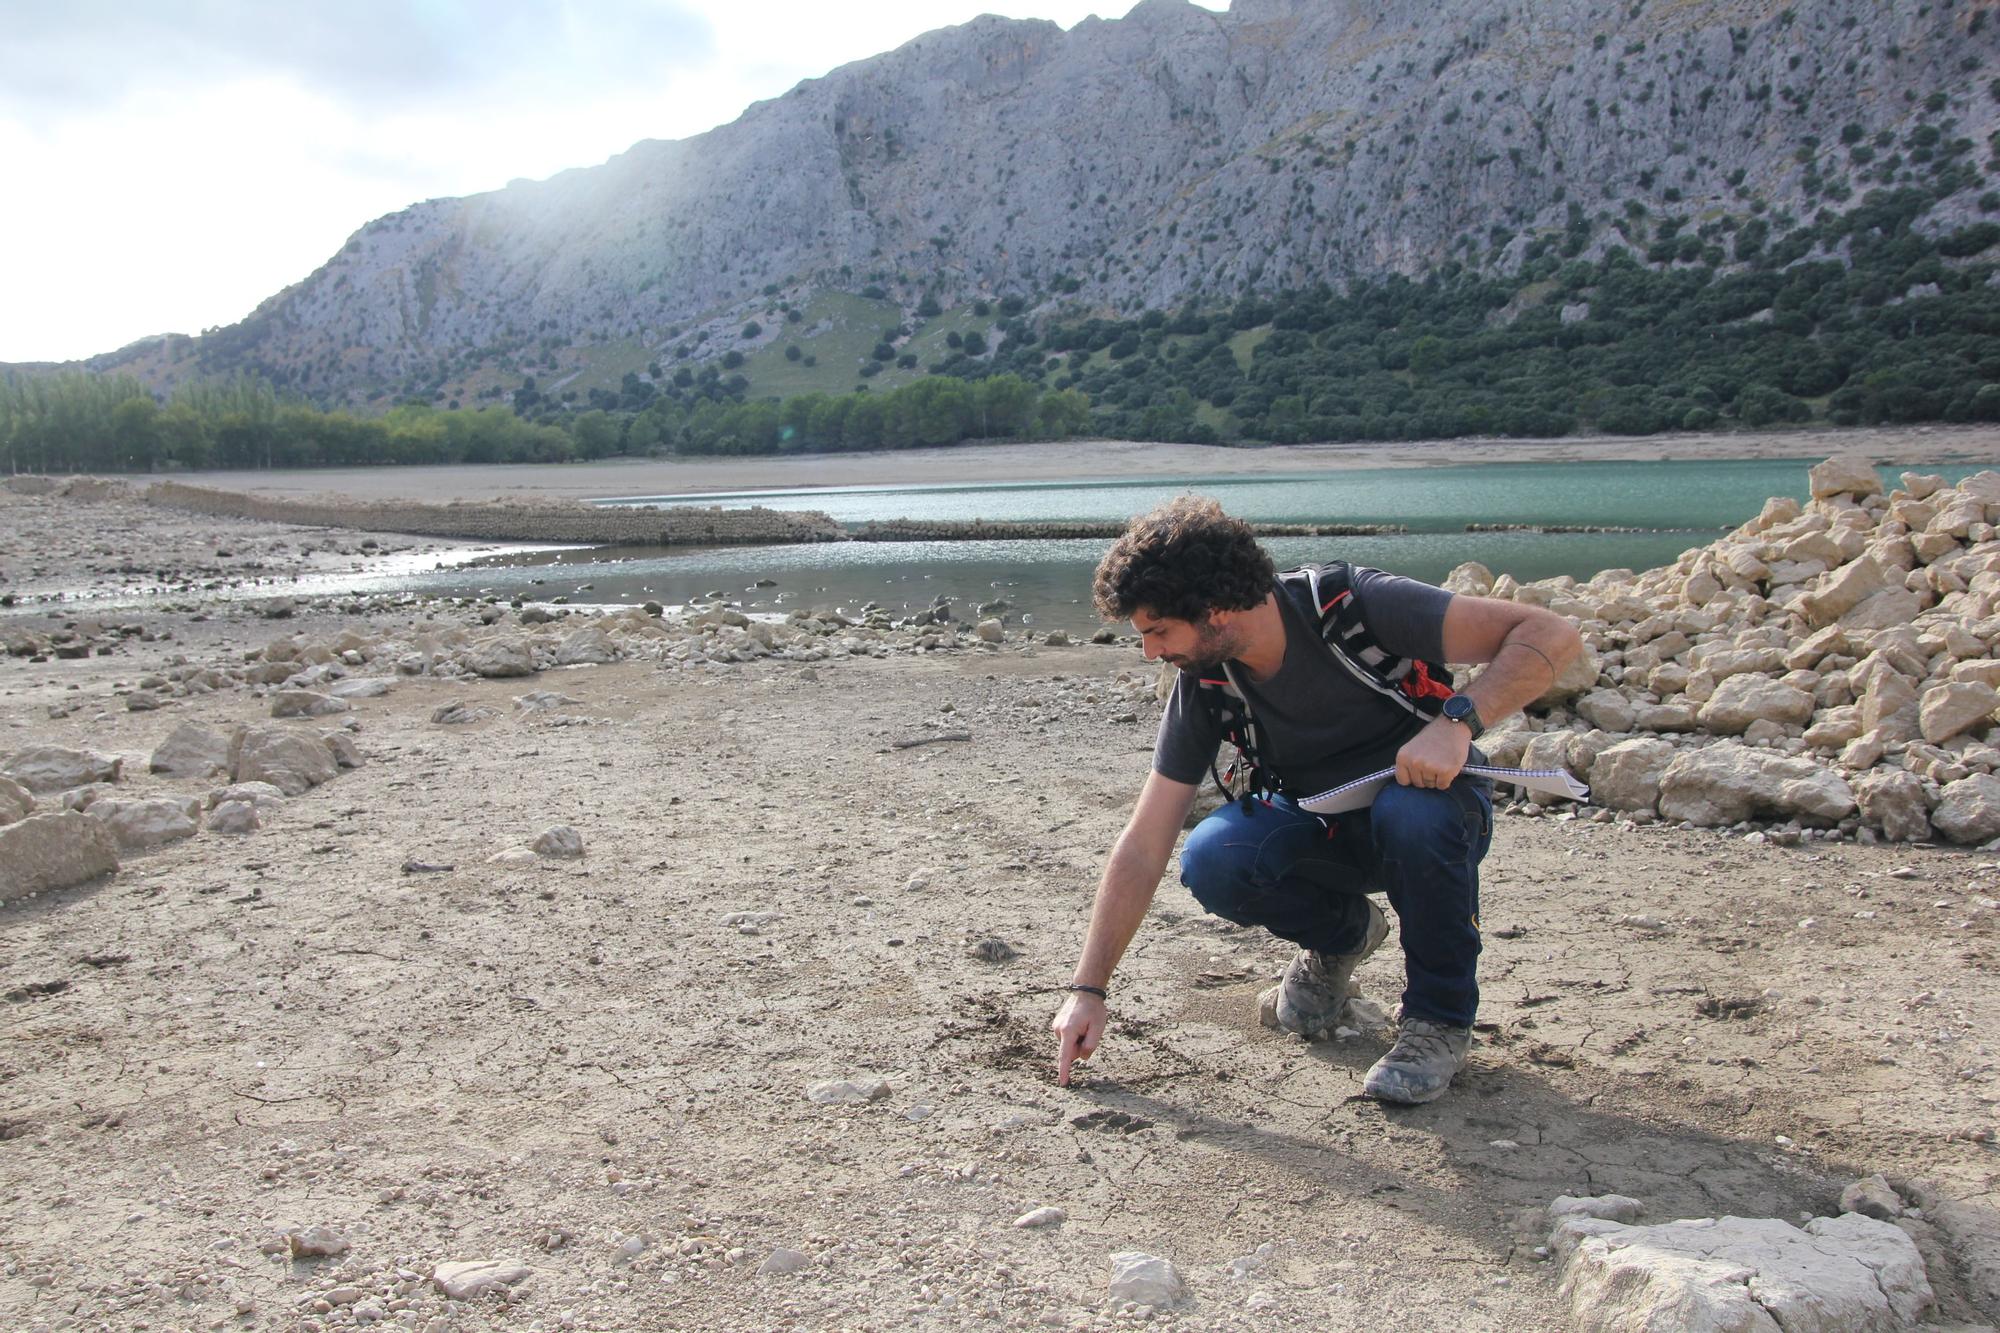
x=1671, y=506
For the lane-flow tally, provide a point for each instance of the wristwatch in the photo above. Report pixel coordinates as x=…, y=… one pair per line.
x=1460, y=709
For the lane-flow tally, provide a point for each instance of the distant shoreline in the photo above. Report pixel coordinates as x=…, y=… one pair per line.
x=1072, y=460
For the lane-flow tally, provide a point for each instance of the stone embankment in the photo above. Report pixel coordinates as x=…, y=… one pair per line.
x=979, y=529
x=1825, y=669
x=516, y=520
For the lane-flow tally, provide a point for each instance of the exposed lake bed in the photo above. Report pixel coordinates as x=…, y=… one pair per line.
x=356, y=1018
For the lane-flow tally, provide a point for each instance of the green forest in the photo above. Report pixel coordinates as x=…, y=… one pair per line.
x=1756, y=321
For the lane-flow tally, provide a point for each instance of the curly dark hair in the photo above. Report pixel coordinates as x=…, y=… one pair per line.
x=1182, y=561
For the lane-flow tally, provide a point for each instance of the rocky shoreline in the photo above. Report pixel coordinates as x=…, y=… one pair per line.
x=1830, y=669
x=480, y=963
x=1827, y=670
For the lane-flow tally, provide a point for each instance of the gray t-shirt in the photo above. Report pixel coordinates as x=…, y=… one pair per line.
x=1318, y=727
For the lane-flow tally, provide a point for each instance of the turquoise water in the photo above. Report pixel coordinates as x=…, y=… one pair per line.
x=1678, y=504
x=1434, y=499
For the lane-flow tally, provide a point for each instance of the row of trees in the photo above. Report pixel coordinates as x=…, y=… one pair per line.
x=78, y=422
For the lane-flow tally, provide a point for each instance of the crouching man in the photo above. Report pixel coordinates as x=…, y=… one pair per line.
x=1314, y=677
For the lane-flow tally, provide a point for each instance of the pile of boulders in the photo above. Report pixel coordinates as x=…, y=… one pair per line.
x=1828, y=668
x=70, y=639
x=67, y=815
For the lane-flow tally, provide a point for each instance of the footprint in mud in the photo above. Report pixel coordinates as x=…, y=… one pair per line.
x=1111, y=1122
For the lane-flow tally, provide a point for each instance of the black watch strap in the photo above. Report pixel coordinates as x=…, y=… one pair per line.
x=1462, y=710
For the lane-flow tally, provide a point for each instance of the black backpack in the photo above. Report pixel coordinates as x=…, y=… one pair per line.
x=1420, y=687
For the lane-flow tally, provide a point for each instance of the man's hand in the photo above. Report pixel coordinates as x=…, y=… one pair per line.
x=1433, y=757
x=1079, y=1026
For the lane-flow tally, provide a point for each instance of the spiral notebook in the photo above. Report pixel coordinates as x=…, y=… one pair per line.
x=1361, y=792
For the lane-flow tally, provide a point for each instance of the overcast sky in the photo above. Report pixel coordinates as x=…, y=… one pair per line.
x=171, y=164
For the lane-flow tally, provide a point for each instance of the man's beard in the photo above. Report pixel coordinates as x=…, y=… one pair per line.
x=1212, y=645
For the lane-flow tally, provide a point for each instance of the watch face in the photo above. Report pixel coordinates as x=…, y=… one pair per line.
x=1457, y=707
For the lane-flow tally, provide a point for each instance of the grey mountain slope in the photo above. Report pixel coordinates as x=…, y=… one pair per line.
x=1139, y=161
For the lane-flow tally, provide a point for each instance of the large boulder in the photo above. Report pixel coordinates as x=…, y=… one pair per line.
x=1607, y=709
x=1741, y=700
x=1892, y=800
x=1884, y=610
x=1947, y=710
x=1888, y=701
x=53, y=851
x=139, y=824
x=1969, y=811
x=1846, y=474
x=191, y=751
x=499, y=658
x=586, y=647
x=1729, y=783
x=1627, y=776
x=306, y=703
x=1843, y=590
x=1741, y=1275
x=290, y=761
x=44, y=768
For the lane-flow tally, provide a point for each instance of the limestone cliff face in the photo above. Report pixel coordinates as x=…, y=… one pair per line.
x=1132, y=163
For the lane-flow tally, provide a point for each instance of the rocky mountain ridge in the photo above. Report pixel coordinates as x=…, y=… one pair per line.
x=1136, y=163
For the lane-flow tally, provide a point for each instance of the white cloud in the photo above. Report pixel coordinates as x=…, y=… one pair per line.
x=166, y=175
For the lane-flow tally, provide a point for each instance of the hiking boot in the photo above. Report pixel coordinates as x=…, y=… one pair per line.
x=1420, y=1066
x=1312, y=997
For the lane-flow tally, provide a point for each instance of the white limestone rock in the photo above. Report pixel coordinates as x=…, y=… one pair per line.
x=586, y=647
x=472, y=1279
x=306, y=703
x=1969, y=810
x=235, y=818
x=153, y=822
x=54, y=851
x=1949, y=709
x=264, y=795
x=191, y=751
x=1728, y=783
x=499, y=658
x=1604, y=1207
x=48, y=768
x=1743, y=699
x=1146, y=1279
x=361, y=687
x=1471, y=579
x=1608, y=709
x=1627, y=775
x=1891, y=800
x=1742, y=1275
x=289, y=760
x=1845, y=474
x=848, y=1092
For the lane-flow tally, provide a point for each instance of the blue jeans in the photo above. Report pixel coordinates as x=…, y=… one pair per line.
x=1281, y=868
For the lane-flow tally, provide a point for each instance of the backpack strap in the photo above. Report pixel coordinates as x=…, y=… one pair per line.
x=1229, y=708
x=1417, y=686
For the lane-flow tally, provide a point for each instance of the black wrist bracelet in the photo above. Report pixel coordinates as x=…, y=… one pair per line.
x=1098, y=991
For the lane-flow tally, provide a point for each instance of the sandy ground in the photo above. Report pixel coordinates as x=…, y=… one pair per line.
x=1078, y=459
x=595, y=1069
